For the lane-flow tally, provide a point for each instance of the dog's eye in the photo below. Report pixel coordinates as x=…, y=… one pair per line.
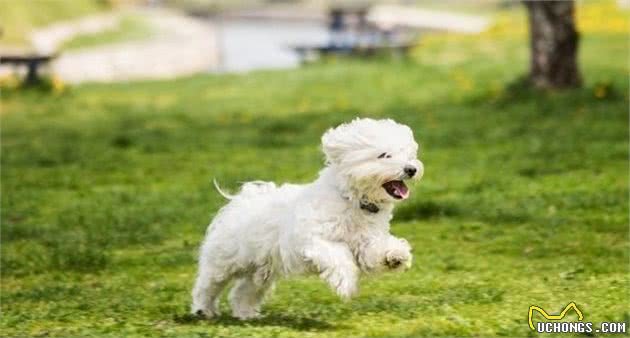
x=384, y=155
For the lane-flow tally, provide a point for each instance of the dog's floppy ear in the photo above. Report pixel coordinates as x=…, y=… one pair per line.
x=338, y=141
x=332, y=146
x=348, y=137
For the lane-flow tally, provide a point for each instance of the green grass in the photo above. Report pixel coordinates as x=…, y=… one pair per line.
x=106, y=194
x=18, y=18
x=130, y=28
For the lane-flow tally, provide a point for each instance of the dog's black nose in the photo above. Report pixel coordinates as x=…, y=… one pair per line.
x=410, y=171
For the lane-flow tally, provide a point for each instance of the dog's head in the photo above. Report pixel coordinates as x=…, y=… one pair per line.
x=375, y=157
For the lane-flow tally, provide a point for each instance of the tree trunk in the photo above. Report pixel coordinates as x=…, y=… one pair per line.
x=554, y=44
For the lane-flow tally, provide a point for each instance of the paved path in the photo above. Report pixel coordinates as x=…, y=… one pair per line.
x=181, y=45
x=49, y=39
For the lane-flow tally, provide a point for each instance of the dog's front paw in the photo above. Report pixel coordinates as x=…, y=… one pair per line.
x=398, y=259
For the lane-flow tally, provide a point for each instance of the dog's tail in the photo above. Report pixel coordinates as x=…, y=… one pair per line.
x=221, y=192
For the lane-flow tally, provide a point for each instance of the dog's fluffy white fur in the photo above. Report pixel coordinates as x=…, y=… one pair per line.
x=336, y=226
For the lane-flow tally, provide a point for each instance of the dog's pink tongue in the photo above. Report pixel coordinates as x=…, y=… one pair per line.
x=401, y=188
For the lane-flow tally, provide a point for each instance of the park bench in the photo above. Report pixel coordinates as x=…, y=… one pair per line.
x=32, y=62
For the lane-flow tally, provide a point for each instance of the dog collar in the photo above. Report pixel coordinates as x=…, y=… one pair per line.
x=369, y=207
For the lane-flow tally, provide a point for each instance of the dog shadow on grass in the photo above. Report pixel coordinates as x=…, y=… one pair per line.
x=300, y=323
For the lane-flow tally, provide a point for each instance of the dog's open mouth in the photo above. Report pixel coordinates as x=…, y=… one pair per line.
x=396, y=189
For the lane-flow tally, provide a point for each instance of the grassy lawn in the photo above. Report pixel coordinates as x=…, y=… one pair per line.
x=106, y=192
x=18, y=18
x=130, y=28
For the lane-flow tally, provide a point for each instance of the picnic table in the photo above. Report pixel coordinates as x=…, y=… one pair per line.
x=32, y=62
x=351, y=33
x=306, y=52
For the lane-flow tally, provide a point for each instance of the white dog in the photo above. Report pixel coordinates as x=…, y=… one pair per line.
x=337, y=226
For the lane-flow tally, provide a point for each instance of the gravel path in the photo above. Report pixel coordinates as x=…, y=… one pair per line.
x=49, y=39
x=182, y=45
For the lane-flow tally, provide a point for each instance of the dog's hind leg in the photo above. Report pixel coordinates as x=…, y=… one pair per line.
x=207, y=291
x=248, y=293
